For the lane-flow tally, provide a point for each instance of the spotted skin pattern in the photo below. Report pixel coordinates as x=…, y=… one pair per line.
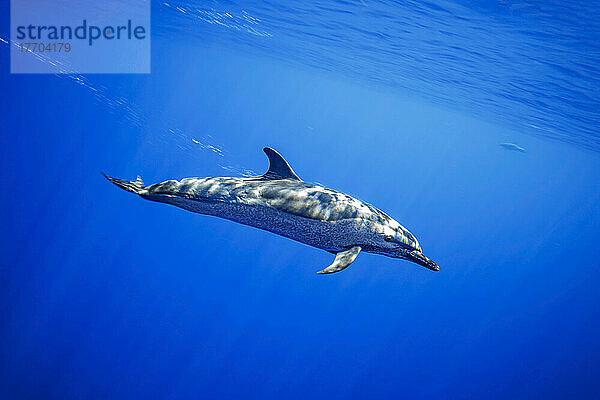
x=281, y=203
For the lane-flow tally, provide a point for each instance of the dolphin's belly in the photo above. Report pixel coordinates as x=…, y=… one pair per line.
x=310, y=214
x=327, y=235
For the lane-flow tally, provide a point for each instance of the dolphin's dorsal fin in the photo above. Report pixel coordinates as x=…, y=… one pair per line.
x=278, y=167
x=342, y=260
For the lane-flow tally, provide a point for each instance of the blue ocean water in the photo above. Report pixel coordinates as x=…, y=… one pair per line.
x=401, y=104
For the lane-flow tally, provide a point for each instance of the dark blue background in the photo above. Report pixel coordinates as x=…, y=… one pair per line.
x=105, y=295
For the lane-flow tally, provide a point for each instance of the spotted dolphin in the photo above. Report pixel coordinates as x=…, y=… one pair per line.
x=280, y=202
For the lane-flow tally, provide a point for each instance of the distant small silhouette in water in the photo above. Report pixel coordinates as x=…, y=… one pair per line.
x=513, y=147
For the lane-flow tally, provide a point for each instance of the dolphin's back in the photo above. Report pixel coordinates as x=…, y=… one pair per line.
x=285, y=195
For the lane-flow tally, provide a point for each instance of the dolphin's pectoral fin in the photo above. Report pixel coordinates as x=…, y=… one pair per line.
x=342, y=260
x=278, y=167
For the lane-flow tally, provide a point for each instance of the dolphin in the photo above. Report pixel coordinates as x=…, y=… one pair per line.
x=280, y=202
x=513, y=147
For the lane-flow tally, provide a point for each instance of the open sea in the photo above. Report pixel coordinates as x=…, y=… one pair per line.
x=475, y=124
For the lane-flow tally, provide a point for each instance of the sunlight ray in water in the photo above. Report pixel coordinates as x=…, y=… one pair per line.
x=243, y=21
x=138, y=118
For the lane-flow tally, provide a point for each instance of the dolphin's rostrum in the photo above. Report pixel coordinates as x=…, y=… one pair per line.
x=280, y=202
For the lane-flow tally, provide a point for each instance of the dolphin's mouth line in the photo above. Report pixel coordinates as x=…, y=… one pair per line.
x=419, y=258
x=404, y=247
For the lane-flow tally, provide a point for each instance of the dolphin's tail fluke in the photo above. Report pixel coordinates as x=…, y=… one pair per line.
x=131, y=186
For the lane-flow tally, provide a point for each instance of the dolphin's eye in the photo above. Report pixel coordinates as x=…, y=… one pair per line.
x=388, y=238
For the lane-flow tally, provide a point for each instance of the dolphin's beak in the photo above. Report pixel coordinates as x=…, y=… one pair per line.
x=419, y=258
